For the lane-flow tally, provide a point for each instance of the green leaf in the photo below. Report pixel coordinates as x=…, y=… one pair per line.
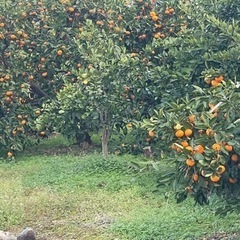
x=203, y=163
x=202, y=182
x=198, y=156
x=207, y=173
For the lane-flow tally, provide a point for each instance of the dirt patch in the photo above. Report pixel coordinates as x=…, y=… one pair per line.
x=100, y=221
x=74, y=149
x=223, y=236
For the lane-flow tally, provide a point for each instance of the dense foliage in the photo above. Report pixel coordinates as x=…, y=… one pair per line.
x=203, y=127
x=81, y=67
x=49, y=48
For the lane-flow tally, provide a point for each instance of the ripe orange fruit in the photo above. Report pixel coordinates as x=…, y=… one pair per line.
x=10, y=154
x=37, y=112
x=219, y=79
x=59, y=52
x=221, y=169
x=188, y=132
x=152, y=14
x=23, y=14
x=190, y=162
x=209, y=132
x=7, y=77
x=44, y=74
x=151, y=133
x=229, y=148
x=184, y=143
x=195, y=177
x=23, y=122
x=234, y=157
x=9, y=93
x=199, y=149
x=133, y=55
x=20, y=129
x=216, y=147
x=167, y=12
x=232, y=180
x=99, y=22
x=25, y=35
x=179, y=133
x=143, y=36
x=90, y=66
x=43, y=59
x=42, y=133
x=191, y=118
x=71, y=9
x=154, y=18
x=31, y=77
x=13, y=37
x=214, y=178
x=214, y=83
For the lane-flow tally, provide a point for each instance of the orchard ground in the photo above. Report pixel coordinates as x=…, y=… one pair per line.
x=64, y=193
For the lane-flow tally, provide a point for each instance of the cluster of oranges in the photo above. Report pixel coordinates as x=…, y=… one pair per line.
x=205, y=160
x=153, y=16
x=215, y=82
x=150, y=136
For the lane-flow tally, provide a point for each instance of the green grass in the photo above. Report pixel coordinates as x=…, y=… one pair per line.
x=84, y=196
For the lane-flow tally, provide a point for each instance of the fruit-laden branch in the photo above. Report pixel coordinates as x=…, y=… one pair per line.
x=33, y=87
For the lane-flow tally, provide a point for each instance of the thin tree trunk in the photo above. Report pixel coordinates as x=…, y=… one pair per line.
x=105, y=136
x=105, y=131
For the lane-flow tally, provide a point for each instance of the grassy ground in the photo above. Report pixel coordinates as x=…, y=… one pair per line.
x=83, y=196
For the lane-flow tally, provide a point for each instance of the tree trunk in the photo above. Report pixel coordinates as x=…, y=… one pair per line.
x=105, y=136
x=105, y=131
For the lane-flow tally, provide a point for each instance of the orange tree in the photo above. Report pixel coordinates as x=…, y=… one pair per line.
x=202, y=129
x=39, y=54
x=38, y=49
x=32, y=55
x=94, y=101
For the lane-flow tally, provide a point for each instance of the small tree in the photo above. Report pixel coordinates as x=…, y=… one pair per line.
x=97, y=91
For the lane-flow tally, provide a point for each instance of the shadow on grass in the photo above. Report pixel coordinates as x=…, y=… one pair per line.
x=58, y=145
